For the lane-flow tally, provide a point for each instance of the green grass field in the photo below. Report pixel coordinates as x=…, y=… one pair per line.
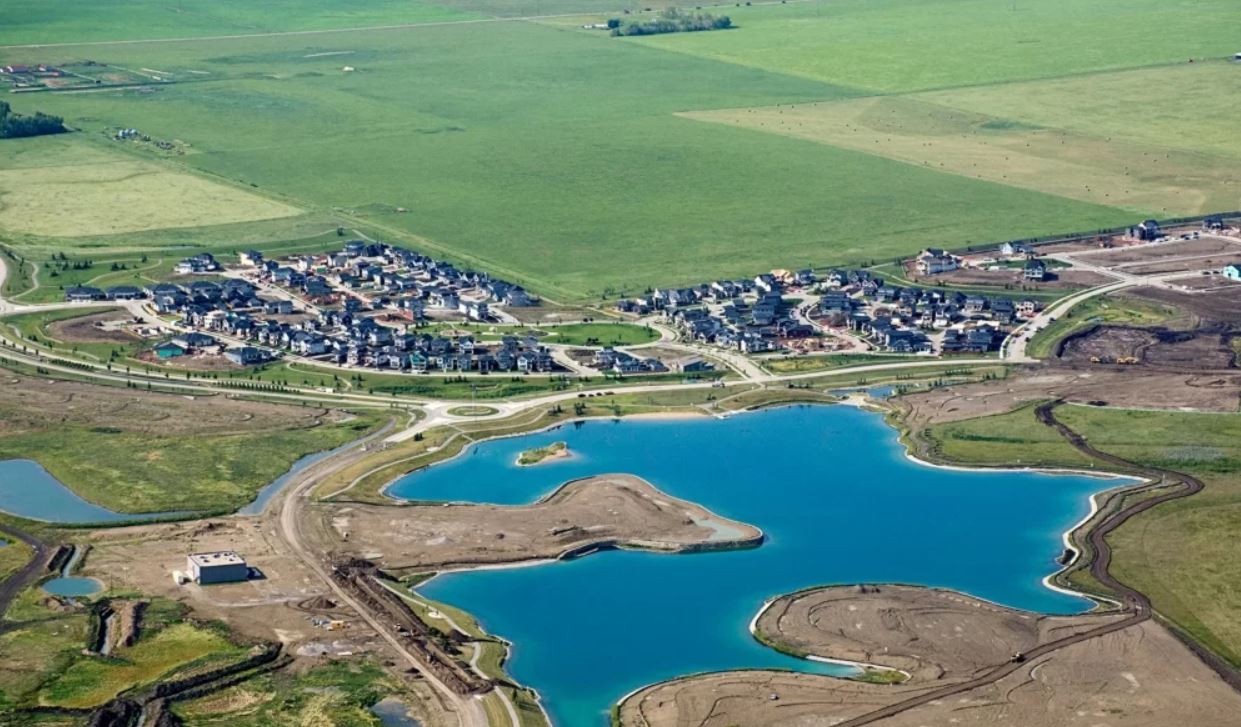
x=598, y=188
x=898, y=46
x=79, y=21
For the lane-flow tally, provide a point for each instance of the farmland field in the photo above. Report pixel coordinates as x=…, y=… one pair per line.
x=580, y=166
x=102, y=193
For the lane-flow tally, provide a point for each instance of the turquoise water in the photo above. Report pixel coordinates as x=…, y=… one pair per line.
x=73, y=586
x=830, y=487
x=28, y=490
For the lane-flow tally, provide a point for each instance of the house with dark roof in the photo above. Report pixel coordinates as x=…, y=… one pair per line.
x=1035, y=270
x=83, y=293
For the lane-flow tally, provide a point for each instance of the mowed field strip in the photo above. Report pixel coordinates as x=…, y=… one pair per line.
x=578, y=164
x=103, y=194
x=1080, y=141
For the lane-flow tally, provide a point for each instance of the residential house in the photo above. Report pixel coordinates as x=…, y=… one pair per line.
x=933, y=261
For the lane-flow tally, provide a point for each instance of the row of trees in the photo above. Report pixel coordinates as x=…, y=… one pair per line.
x=15, y=126
x=671, y=21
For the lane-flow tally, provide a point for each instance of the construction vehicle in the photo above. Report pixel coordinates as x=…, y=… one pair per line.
x=1127, y=360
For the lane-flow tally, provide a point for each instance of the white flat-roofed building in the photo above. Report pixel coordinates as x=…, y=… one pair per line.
x=223, y=566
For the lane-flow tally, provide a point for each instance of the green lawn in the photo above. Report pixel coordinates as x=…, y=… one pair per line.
x=598, y=334
x=825, y=362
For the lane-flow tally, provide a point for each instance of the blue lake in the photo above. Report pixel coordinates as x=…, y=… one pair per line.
x=830, y=487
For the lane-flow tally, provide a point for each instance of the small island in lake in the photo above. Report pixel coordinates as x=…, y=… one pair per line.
x=539, y=455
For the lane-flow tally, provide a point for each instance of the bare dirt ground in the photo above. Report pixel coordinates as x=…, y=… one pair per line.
x=1136, y=677
x=1120, y=386
x=1063, y=279
x=143, y=558
x=87, y=329
x=1206, y=349
x=931, y=634
x=609, y=510
x=1217, y=306
x=1206, y=282
x=1167, y=250
x=28, y=403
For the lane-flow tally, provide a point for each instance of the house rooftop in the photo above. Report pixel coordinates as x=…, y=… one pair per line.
x=219, y=557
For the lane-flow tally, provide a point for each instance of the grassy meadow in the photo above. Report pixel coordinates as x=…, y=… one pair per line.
x=597, y=188
x=580, y=165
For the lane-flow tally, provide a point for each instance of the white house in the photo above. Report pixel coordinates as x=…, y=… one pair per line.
x=933, y=261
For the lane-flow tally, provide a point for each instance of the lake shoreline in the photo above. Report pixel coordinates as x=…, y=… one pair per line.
x=872, y=406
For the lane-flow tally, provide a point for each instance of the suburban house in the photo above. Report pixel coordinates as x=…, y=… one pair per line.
x=1012, y=249
x=83, y=293
x=1146, y=231
x=194, y=340
x=169, y=349
x=247, y=355
x=934, y=261
x=1035, y=270
x=201, y=263
x=126, y=292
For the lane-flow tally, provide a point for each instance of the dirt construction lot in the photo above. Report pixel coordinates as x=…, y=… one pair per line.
x=608, y=510
x=35, y=403
x=931, y=634
x=1120, y=386
x=1137, y=677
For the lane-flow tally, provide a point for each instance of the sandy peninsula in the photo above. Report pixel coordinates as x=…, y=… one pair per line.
x=1137, y=676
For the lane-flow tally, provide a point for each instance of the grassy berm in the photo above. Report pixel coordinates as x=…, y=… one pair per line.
x=138, y=451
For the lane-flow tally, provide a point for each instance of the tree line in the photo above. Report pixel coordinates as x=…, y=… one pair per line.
x=670, y=21
x=16, y=126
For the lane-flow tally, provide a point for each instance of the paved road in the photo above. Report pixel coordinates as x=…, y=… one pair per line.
x=27, y=574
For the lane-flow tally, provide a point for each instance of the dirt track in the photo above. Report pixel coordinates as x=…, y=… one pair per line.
x=681, y=702
x=29, y=573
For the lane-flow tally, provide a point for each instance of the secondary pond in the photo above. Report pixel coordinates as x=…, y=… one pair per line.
x=831, y=488
x=71, y=586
